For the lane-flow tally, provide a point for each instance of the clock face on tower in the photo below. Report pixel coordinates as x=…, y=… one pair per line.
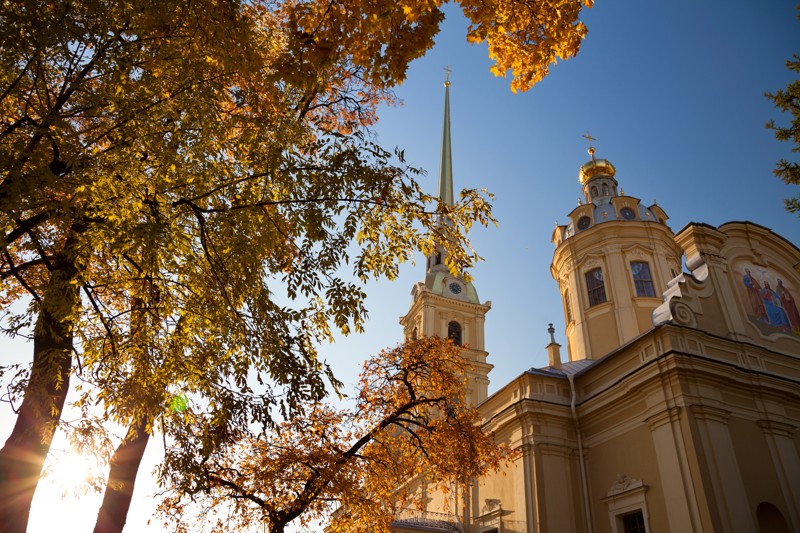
x=455, y=287
x=584, y=222
x=627, y=213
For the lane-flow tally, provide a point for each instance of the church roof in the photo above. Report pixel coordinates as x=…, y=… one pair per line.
x=572, y=367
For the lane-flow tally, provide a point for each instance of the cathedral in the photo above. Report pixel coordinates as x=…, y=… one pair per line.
x=675, y=406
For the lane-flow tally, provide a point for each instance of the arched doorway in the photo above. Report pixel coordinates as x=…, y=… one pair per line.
x=770, y=519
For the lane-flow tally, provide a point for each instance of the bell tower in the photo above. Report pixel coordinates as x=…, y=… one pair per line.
x=448, y=305
x=612, y=262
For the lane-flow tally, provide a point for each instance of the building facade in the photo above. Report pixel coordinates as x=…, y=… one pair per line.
x=676, y=406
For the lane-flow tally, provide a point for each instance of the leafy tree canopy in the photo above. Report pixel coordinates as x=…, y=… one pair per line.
x=409, y=424
x=187, y=188
x=788, y=100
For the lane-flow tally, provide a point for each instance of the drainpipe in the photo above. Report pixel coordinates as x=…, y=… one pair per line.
x=467, y=496
x=455, y=499
x=587, y=509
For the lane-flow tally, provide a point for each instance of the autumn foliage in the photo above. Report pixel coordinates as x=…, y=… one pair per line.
x=409, y=422
x=191, y=201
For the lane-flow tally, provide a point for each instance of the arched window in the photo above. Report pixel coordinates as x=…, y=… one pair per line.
x=642, y=279
x=594, y=191
x=454, y=332
x=605, y=190
x=414, y=334
x=567, y=306
x=770, y=519
x=438, y=258
x=595, y=287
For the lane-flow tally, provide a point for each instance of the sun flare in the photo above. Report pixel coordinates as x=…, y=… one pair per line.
x=70, y=471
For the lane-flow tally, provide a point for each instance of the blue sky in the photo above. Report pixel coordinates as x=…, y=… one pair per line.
x=674, y=94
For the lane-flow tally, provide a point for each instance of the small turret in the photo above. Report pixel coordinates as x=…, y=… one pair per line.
x=612, y=262
x=553, y=349
x=597, y=179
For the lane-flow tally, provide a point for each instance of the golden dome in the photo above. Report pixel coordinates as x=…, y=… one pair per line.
x=596, y=167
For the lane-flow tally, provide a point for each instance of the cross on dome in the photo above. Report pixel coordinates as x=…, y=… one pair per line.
x=590, y=139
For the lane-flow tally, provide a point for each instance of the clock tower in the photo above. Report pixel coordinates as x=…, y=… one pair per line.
x=448, y=305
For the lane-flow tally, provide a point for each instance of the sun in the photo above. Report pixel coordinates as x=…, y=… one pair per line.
x=68, y=491
x=71, y=472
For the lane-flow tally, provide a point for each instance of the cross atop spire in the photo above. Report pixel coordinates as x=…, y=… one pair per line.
x=446, y=169
x=447, y=76
x=590, y=139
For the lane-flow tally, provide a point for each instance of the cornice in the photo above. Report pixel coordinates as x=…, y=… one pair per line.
x=428, y=297
x=780, y=429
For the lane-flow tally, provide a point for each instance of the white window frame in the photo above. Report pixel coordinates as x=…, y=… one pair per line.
x=625, y=497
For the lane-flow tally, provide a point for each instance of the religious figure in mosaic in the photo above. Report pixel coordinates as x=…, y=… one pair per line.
x=754, y=296
x=789, y=305
x=772, y=304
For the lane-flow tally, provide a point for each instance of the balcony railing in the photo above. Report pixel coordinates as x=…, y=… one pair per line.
x=428, y=521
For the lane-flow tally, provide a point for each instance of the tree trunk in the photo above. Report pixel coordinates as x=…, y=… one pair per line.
x=23, y=456
x=128, y=456
x=121, y=479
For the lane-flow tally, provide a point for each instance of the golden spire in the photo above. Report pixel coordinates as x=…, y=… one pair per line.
x=446, y=168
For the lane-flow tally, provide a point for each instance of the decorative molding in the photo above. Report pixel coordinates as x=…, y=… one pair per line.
x=697, y=266
x=683, y=315
x=591, y=263
x=717, y=261
x=491, y=504
x=549, y=448
x=626, y=496
x=661, y=418
x=438, y=301
x=624, y=483
x=637, y=252
x=758, y=257
x=680, y=303
x=780, y=429
x=707, y=412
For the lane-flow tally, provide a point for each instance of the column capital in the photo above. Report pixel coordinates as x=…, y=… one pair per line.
x=707, y=412
x=773, y=427
x=661, y=418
